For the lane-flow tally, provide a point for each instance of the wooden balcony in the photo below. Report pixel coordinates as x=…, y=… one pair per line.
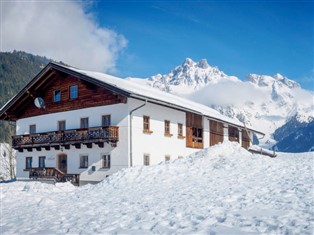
x=52, y=174
x=76, y=137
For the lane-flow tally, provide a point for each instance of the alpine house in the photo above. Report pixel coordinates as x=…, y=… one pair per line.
x=82, y=125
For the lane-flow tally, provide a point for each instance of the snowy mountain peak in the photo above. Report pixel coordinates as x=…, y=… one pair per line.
x=188, y=62
x=269, y=81
x=203, y=64
x=265, y=102
x=189, y=76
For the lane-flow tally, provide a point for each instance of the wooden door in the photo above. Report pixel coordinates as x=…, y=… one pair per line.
x=63, y=163
x=245, y=139
x=216, y=132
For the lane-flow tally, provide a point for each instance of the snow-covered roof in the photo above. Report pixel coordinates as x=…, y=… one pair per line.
x=151, y=94
x=137, y=91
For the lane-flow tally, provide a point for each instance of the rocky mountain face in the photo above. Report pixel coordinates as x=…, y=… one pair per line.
x=262, y=101
x=295, y=136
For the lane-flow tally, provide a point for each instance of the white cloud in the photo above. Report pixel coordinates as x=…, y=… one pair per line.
x=60, y=30
x=229, y=93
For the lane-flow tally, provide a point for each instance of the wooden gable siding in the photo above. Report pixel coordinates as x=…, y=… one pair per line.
x=89, y=95
x=216, y=132
x=245, y=139
x=194, y=130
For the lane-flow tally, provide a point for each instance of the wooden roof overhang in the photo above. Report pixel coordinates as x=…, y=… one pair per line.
x=32, y=89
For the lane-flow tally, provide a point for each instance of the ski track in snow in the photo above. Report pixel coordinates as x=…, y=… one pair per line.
x=221, y=190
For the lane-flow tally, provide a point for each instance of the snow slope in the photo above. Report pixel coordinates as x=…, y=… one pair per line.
x=221, y=190
x=261, y=101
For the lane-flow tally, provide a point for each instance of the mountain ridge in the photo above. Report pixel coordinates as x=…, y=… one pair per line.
x=264, y=101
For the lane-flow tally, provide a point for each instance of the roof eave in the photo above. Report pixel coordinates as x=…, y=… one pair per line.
x=61, y=68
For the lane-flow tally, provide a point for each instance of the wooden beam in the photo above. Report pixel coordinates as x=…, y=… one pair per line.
x=100, y=144
x=57, y=147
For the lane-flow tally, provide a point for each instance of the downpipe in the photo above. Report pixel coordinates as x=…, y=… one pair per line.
x=131, y=143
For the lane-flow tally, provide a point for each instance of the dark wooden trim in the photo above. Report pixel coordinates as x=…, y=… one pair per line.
x=194, y=131
x=76, y=137
x=216, y=130
x=168, y=134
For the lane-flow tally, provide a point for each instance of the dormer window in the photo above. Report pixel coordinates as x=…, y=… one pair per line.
x=73, y=92
x=56, y=96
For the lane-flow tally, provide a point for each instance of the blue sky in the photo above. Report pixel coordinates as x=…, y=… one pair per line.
x=143, y=38
x=240, y=37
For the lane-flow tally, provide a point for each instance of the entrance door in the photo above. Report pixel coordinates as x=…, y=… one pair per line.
x=63, y=163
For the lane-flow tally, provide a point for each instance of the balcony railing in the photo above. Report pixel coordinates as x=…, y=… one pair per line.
x=54, y=174
x=108, y=134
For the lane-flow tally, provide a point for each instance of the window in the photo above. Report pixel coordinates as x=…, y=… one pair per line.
x=32, y=129
x=167, y=158
x=29, y=162
x=233, y=133
x=180, y=130
x=146, y=159
x=105, y=161
x=61, y=125
x=167, y=128
x=41, y=162
x=84, y=122
x=197, y=134
x=84, y=161
x=146, y=124
x=73, y=92
x=106, y=120
x=56, y=96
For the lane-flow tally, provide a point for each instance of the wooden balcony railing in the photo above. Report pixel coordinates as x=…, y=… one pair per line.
x=108, y=134
x=51, y=173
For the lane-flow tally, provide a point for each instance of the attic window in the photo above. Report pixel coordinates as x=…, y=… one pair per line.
x=56, y=96
x=73, y=92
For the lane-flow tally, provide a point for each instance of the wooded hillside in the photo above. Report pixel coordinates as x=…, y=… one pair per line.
x=17, y=68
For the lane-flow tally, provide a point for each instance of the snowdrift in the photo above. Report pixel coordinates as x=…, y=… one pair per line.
x=220, y=190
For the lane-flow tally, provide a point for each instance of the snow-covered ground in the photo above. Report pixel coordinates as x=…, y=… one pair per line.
x=221, y=190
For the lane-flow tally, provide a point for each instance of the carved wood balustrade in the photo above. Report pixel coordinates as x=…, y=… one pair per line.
x=109, y=134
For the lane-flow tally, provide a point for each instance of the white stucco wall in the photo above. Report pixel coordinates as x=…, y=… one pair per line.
x=156, y=144
x=49, y=122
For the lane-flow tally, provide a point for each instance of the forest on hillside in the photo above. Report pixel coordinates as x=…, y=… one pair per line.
x=17, y=68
